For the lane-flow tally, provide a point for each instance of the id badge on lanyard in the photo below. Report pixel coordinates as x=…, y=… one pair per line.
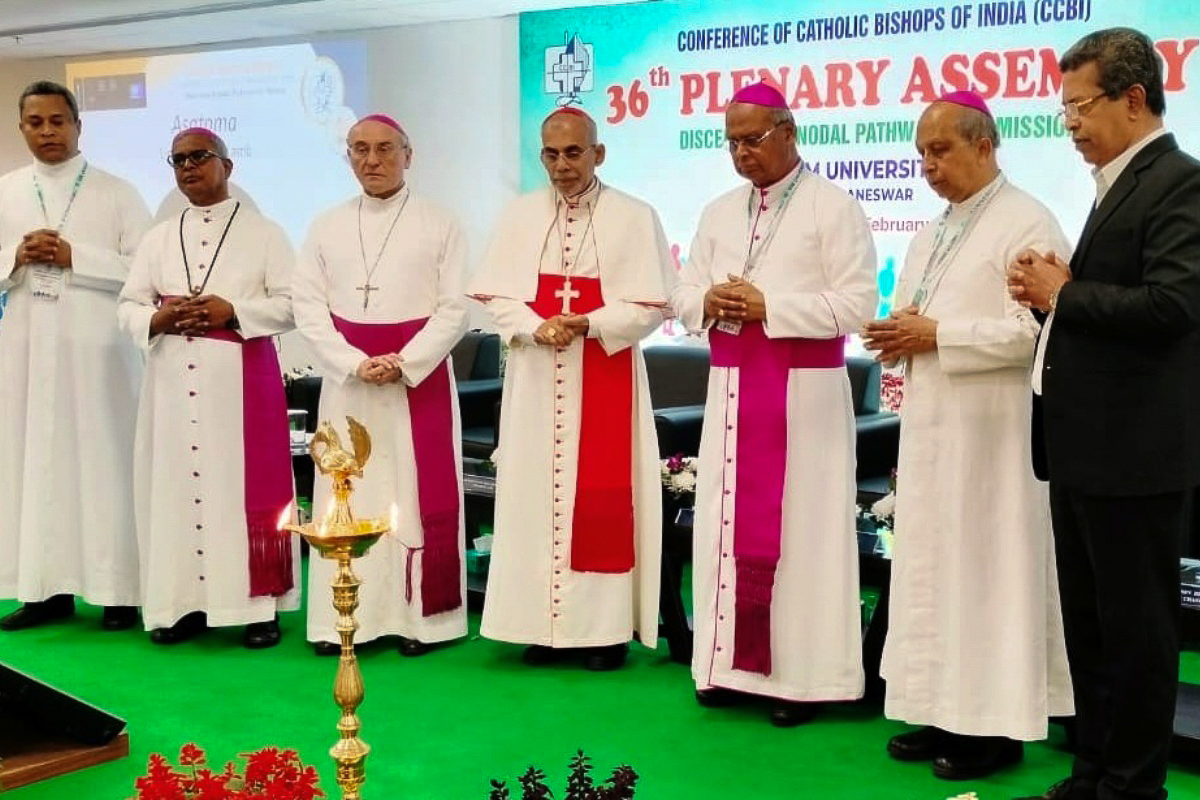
x=46, y=282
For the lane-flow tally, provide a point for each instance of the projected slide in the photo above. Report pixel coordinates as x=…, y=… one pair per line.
x=283, y=111
x=658, y=76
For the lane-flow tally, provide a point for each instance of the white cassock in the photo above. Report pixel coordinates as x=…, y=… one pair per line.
x=419, y=275
x=817, y=275
x=975, y=640
x=68, y=395
x=189, y=468
x=533, y=594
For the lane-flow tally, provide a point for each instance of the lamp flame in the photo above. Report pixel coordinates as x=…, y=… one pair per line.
x=285, y=517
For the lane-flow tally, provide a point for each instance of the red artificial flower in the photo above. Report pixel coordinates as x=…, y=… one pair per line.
x=191, y=756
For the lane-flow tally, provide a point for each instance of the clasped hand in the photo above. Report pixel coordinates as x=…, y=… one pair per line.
x=736, y=299
x=381, y=370
x=44, y=246
x=1034, y=279
x=901, y=335
x=561, y=330
x=191, y=316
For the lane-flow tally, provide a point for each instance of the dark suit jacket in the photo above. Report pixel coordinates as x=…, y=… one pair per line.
x=1121, y=379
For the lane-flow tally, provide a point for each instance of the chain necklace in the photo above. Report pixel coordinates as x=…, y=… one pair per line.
x=369, y=269
x=212, y=263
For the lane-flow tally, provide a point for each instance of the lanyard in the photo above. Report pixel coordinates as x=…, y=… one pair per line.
x=37, y=187
x=753, y=254
x=945, y=249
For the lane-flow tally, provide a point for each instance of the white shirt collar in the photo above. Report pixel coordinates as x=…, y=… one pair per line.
x=1107, y=175
x=69, y=167
x=772, y=193
x=586, y=197
x=378, y=203
x=219, y=210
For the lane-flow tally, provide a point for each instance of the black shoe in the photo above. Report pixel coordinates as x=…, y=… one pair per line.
x=260, y=635
x=188, y=626
x=716, y=697
x=327, y=649
x=30, y=615
x=971, y=757
x=119, y=618
x=539, y=655
x=923, y=744
x=789, y=714
x=604, y=659
x=413, y=647
x=1069, y=789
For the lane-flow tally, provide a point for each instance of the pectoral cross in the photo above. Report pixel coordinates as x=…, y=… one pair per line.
x=567, y=294
x=366, y=289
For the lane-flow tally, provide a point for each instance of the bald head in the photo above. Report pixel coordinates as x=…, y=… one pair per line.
x=958, y=148
x=215, y=143
x=573, y=122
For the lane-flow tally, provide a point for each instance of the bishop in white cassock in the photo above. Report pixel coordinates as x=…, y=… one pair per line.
x=574, y=278
x=975, y=647
x=68, y=394
x=378, y=297
x=207, y=292
x=782, y=270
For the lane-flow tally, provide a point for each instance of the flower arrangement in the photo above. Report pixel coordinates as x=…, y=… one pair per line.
x=891, y=390
x=679, y=475
x=270, y=774
x=580, y=786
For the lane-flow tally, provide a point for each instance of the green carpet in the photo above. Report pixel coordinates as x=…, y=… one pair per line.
x=442, y=725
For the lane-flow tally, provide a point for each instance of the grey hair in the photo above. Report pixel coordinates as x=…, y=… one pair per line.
x=1124, y=57
x=975, y=125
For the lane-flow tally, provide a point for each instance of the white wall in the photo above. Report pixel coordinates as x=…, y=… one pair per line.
x=454, y=87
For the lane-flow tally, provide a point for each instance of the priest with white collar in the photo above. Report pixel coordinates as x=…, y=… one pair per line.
x=206, y=295
x=68, y=394
x=780, y=272
x=576, y=275
x=378, y=298
x=980, y=664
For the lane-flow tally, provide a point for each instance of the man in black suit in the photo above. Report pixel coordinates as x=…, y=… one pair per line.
x=1119, y=374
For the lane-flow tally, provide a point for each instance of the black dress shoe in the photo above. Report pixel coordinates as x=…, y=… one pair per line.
x=260, y=635
x=923, y=744
x=539, y=655
x=413, y=647
x=30, y=615
x=971, y=757
x=188, y=626
x=716, y=697
x=1069, y=789
x=789, y=714
x=604, y=659
x=119, y=618
x=327, y=649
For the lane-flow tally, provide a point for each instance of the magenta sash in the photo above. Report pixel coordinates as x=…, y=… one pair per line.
x=431, y=415
x=267, y=458
x=763, y=366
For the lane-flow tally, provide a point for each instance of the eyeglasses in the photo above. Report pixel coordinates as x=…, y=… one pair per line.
x=571, y=154
x=362, y=150
x=1076, y=109
x=195, y=158
x=751, y=142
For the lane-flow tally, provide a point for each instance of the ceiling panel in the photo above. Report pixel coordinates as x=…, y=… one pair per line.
x=85, y=27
